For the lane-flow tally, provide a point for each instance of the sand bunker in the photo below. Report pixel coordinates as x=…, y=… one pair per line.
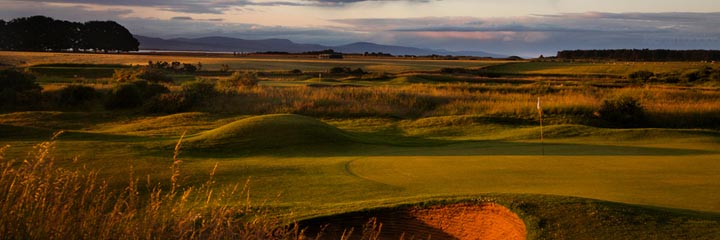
x=458, y=221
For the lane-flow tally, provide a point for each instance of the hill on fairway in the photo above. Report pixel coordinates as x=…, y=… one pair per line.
x=268, y=132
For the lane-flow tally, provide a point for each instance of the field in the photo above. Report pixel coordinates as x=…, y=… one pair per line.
x=418, y=144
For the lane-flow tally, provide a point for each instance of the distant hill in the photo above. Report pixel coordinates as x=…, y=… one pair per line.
x=227, y=44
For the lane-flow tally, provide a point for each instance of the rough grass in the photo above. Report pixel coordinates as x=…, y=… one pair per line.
x=43, y=201
x=310, y=64
x=617, y=69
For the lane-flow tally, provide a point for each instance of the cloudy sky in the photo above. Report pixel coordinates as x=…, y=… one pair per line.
x=513, y=27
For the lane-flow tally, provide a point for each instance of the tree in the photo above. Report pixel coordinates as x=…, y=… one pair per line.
x=108, y=36
x=3, y=35
x=18, y=88
x=30, y=33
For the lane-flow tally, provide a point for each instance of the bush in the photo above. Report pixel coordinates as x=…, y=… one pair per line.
x=198, y=90
x=17, y=88
x=125, y=74
x=134, y=94
x=641, y=76
x=691, y=76
x=149, y=74
x=623, y=111
x=168, y=103
x=245, y=79
x=224, y=68
x=126, y=95
x=154, y=75
x=74, y=95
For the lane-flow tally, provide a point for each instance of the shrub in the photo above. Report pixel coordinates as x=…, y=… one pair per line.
x=245, y=79
x=340, y=70
x=125, y=74
x=168, y=103
x=691, y=76
x=154, y=75
x=622, y=111
x=198, y=90
x=126, y=95
x=17, y=88
x=149, y=74
x=224, y=68
x=641, y=76
x=74, y=95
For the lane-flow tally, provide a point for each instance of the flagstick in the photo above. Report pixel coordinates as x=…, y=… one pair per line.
x=540, y=111
x=542, y=143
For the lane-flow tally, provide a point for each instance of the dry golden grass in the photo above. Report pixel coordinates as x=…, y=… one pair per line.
x=43, y=201
x=271, y=63
x=665, y=107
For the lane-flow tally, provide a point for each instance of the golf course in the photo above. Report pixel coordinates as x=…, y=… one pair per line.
x=399, y=149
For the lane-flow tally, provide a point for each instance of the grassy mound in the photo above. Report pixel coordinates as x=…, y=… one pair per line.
x=268, y=132
x=511, y=216
x=169, y=125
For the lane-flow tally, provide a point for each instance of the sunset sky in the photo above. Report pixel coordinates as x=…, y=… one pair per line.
x=512, y=27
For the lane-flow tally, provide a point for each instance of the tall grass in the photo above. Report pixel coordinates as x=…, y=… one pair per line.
x=665, y=107
x=40, y=200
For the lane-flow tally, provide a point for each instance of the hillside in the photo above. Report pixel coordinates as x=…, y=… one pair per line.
x=227, y=44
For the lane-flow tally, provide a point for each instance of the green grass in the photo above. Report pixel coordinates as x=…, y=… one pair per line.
x=389, y=159
x=305, y=167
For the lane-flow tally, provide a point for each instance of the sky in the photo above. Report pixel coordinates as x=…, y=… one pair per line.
x=526, y=28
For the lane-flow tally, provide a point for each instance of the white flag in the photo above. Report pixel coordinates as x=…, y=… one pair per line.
x=539, y=107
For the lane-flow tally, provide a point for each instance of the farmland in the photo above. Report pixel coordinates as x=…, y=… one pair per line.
x=434, y=132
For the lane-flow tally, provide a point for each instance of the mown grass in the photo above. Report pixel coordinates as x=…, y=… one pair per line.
x=51, y=195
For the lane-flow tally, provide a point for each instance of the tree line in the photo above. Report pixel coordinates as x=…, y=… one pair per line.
x=642, y=55
x=41, y=33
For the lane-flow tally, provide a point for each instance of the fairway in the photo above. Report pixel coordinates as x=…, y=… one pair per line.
x=303, y=171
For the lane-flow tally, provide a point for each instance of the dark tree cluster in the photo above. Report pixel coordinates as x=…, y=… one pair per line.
x=174, y=66
x=40, y=33
x=641, y=55
x=377, y=54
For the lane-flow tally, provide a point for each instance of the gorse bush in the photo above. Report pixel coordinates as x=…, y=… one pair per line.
x=641, y=76
x=154, y=75
x=134, y=94
x=238, y=80
x=623, y=111
x=73, y=95
x=43, y=201
x=149, y=74
x=18, y=88
x=168, y=103
x=126, y=95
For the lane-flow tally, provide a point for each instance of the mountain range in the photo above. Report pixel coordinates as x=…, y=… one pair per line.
x=227, y=44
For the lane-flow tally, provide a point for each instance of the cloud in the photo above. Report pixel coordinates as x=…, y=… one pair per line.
x=185, y=6
x=546, y=34
x=182, y=18
x=528, y=35
x=210, y=6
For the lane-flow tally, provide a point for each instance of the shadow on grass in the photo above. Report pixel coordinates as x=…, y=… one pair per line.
x=448, y=148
